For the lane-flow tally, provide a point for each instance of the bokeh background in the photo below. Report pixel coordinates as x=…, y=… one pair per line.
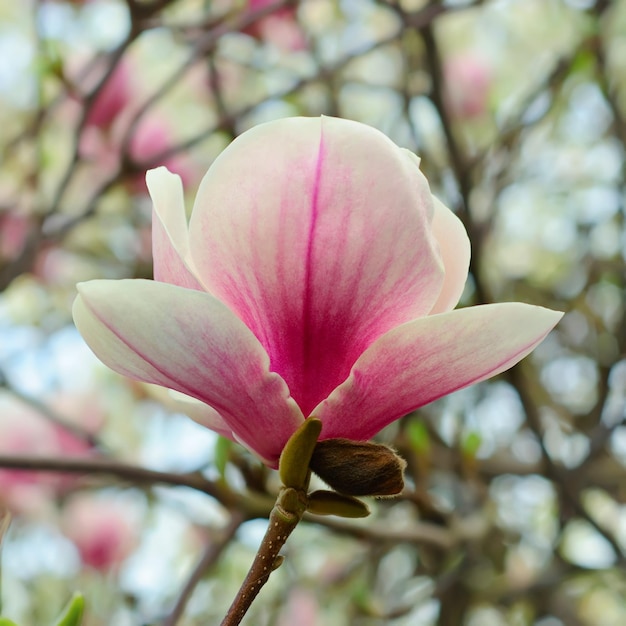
x=514, y=512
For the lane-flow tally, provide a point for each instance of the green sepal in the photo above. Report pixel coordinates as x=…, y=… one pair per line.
x=6, y=622
x=73, y=613
x=324, y=502
x=293, y=466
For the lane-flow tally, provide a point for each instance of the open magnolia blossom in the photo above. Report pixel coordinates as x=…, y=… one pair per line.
x=317, y=276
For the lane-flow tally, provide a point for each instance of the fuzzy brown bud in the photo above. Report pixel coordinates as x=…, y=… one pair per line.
x=359, y=468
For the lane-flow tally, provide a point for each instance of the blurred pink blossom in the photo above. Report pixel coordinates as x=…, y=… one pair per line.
x=24, y=431
x=151, y=137
x=302, y=608
x=14, y=230
x=280, y=27
x=113, y=97
x=48, y=262
x=468, y=79
x=109, y=122
x=103, y=528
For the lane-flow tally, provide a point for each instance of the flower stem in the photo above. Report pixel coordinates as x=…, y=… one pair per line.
x=287, y=512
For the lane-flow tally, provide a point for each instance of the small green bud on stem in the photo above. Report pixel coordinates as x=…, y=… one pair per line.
x=324, y=502
x=293, y=466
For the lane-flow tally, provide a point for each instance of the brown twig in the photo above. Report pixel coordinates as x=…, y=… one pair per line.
x=285, y=516
x=253, y=507
x=209, y=558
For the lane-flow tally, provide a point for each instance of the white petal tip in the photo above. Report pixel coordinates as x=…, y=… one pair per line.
x=161, y=180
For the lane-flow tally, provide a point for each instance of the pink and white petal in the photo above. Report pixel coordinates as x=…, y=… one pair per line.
x=316, y=232
x=189, y=341
x=454, y=245
x=170, y=233
x=428, y=358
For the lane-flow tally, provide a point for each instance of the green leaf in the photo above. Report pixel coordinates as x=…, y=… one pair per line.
x=221, y=454
x=471, y=444
x=418, y=437
x=584, y=61
x=6, y=622
x=73, y=613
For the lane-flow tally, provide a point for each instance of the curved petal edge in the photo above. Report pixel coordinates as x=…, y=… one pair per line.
x=188, y=341
x=170, y=234
x=428, y=358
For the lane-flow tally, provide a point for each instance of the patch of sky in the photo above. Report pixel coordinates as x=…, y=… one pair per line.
x=175, y=442
x=526, y=504
x=603, y=161
x=557, y=233
x=268, y=111
x=526, y=448
x=604, y=240
x=148, y=573
x=17, y=82
x=35, y=365
x=252, y=533
x=39, y=549
x=533, y=218
x=376, y=107
x=496, y=417
x=486, y=616
x=103, y=25
x=588, y=115
x=585, y=547
x=582, y=5
x=597, y=203
x=606, y=300
x=569, y=449
x=193, y=505
x=618, y=443
x=572, y=382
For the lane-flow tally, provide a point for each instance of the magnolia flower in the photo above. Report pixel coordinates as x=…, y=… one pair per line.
x=317, y=276
x=152, y=136
x=104, y=529
x=468, y=81
x=113, y=98
x=25, y=431
x=279, y=27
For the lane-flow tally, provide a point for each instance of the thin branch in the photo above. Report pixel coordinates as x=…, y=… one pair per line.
x=419, y=533
x=251, y=505
x=51, y=415
x=563, y=479
x=209, y=558
x=285, y=516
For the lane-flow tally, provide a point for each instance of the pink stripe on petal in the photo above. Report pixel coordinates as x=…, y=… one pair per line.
x=170, y=233
x=188, y=341
x=424, y=360
x=316, y=232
